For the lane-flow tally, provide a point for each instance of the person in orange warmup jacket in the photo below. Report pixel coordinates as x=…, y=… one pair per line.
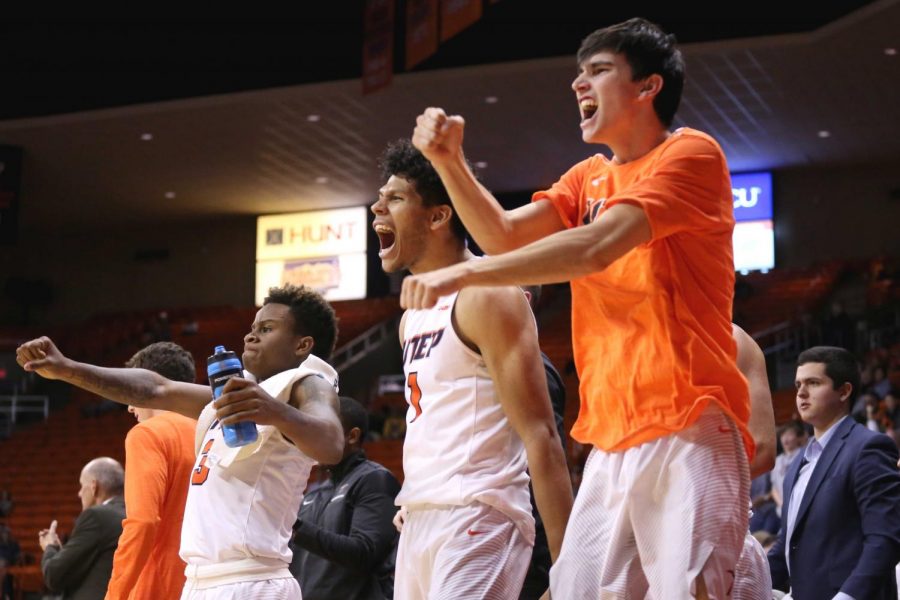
x=159, y=456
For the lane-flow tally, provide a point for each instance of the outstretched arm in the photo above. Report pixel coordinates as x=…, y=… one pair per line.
x=560, y=257
x=439, y=138
x=500, y=323
x=138, y=387
x=752, y=363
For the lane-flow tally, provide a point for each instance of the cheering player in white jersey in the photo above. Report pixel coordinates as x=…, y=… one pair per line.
x=477, y=405
x=241, y=503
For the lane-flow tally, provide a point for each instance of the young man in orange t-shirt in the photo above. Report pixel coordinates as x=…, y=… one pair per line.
x=645, y=240
x=159, y=457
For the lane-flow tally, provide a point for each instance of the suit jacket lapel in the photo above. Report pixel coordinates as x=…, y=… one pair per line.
x=822, y=467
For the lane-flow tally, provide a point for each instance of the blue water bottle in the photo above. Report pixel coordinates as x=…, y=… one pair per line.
x=220, y=367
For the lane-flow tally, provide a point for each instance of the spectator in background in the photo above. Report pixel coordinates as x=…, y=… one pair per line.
x=793, y=440
x=6, y=503
x=838, y=329
x=9, y=547
x=765, y=510
x=6, y=590
x=395, y=424
x=9, y=556
x=159, y=457
x=892, y=411
x=158, y=330
x=876, y=419
x=344, y=542
x=81, y=569
x=859, y=410
x=840, y=537
x=376, y=423
x=191, y=327
x=881, y=385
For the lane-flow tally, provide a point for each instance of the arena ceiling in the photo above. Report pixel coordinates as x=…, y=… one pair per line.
x=126, y=122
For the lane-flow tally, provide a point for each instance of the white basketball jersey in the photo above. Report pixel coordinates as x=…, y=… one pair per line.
x=247, y=508
x=459, y=445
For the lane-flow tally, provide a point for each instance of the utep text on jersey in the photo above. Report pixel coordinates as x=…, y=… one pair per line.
x=420, y=346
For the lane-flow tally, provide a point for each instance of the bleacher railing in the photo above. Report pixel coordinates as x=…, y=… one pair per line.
x=359, y=347
x=13, y=406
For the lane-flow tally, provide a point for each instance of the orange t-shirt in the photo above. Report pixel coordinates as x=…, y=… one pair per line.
x=652, y=332
x=159, y=456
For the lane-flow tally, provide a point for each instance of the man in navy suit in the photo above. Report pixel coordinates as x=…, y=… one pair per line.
x=840, y=533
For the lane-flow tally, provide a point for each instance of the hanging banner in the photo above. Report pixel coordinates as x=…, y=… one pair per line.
x=456, y=15
x=378, y=45
x=421, y=30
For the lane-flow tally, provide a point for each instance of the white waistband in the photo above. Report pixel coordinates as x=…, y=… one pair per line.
x=201, y=577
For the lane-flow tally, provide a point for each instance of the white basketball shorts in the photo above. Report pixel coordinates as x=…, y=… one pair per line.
x=451, y=552
x=649, y=519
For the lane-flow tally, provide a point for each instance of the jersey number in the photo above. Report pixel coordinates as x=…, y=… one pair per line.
x=201, y=471
x=415, y=394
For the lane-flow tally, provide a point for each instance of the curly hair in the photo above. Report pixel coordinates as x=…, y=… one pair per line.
x=166, y=358
x=648, y=50
x=313, y=316
x=402, y=159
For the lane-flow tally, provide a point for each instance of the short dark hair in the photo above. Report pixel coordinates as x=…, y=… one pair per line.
x=840, y=366
x=166, y=358
x=313, y=316
x=404, y=160
x=353, y=414
x=648, y=50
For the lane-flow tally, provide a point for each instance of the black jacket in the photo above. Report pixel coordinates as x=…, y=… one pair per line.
x=81, y=569
x=344, y=541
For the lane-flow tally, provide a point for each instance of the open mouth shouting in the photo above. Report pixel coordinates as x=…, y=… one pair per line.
x=588, y=108
x=386, y=239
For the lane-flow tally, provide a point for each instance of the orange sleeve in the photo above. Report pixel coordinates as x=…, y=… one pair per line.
x=145, y=489
x=565, y=194
x=685, y=191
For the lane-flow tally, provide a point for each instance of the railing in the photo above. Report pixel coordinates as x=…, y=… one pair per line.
x=12, y=406
x=775, y=338
x=359, y=347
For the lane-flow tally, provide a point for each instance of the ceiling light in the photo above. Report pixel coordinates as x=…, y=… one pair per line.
x=321, y=180
x=146, y=137
x=824, y=133
x=170, y=195
x=491, y=100
x=313, y=118
x=890, y=51
x=481, y=164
